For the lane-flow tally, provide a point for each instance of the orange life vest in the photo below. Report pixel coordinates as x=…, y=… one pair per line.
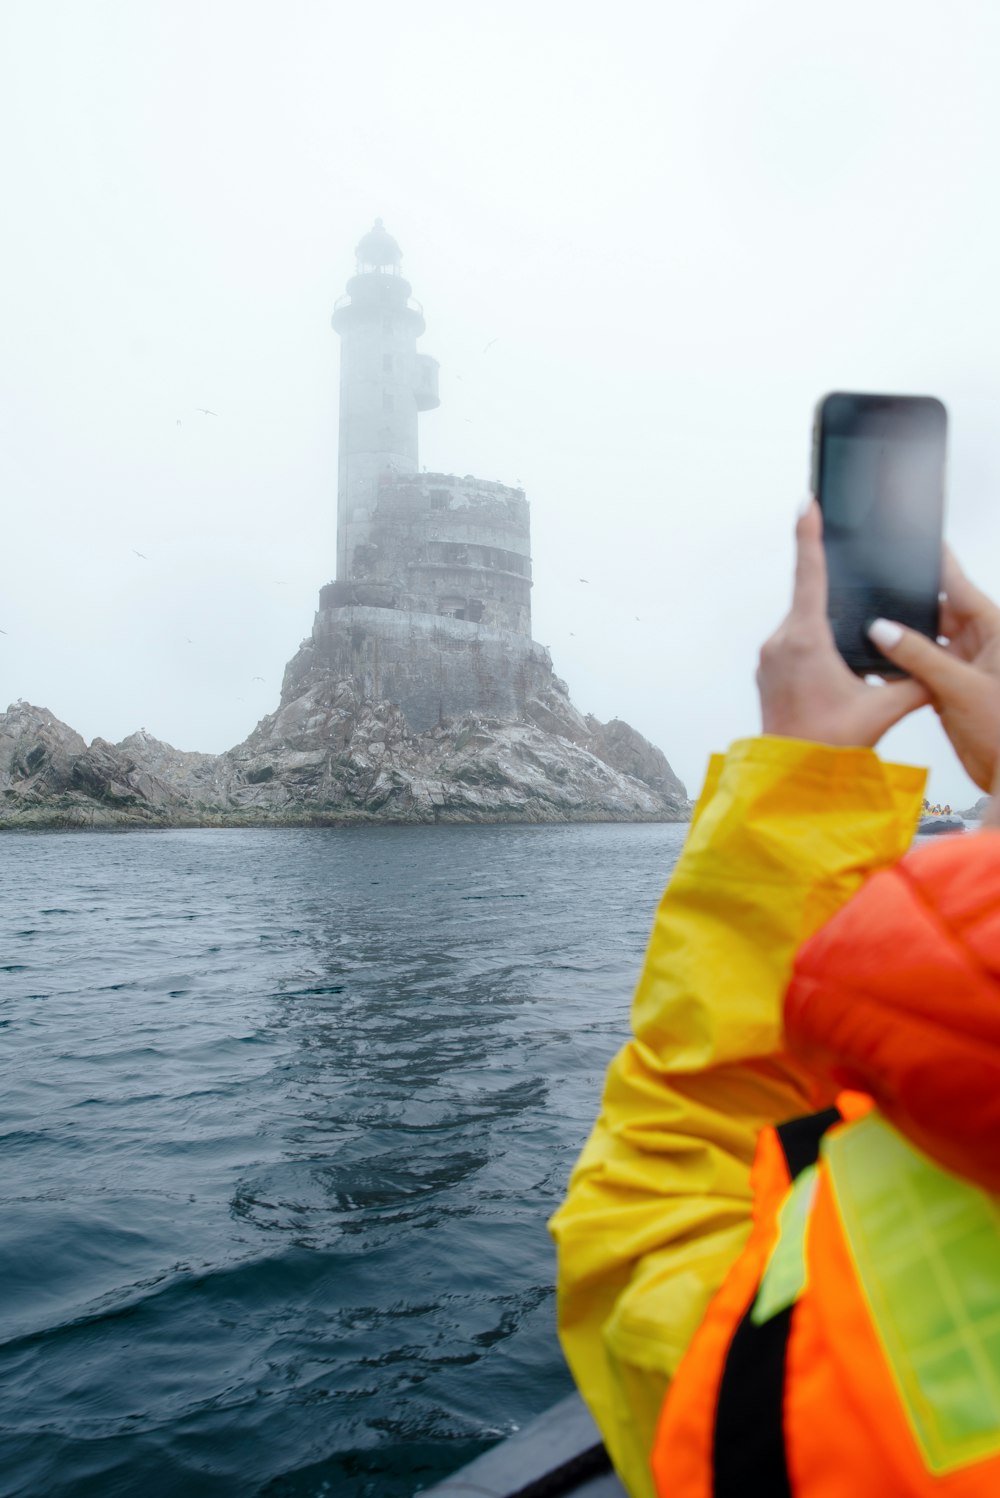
x=797, y=1386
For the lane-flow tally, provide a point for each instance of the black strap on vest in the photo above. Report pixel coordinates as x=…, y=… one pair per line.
x=800, y=1138
x=748, y=1447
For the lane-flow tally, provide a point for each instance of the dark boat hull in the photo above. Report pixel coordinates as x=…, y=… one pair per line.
x=558, y=1454
x=934, y=826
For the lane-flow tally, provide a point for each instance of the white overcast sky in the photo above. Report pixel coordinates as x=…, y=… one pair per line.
x=679, y=223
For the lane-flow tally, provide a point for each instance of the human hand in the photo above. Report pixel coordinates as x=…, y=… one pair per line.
x=962, y=678
x=807, y=691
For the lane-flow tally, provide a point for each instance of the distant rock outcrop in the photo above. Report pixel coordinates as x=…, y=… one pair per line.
x=48, y=775
x=977, y=812
x=330, y=756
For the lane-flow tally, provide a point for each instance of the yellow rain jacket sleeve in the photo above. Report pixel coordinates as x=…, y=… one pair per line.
x=659, y=1205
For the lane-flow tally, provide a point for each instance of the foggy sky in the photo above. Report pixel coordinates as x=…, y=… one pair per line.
x=680, y=225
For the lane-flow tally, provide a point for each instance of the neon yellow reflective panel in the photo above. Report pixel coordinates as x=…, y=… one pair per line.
x=785, y=1276
x=927, y=1250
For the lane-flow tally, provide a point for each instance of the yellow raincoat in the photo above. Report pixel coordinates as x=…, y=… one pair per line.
x=659, y=1203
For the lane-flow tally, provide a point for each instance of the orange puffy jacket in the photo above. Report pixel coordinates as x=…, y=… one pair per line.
x=854, y=1348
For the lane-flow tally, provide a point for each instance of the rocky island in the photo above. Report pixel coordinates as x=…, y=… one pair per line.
x=420, y=695
x=330, y=758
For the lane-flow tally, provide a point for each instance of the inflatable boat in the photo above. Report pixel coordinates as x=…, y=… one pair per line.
x=931, y=826
x=558, y=1454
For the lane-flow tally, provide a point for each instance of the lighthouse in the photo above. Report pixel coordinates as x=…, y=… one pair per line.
x=384, y=384
x=431, y=605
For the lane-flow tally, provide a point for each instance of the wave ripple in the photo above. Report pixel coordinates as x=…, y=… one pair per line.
x=288, y=1112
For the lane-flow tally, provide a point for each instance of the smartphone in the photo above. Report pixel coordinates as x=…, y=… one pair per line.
x=878, y=473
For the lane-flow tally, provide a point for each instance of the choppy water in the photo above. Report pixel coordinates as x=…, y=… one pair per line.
x=284, y=1114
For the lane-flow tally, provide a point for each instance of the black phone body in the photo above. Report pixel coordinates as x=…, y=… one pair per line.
x=878, y=473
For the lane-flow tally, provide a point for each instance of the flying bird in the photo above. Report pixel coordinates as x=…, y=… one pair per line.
x=205, y=411
x=140, y=554
x=585, y=579
x=257, y=678
x=3, y=631
x=489, y=345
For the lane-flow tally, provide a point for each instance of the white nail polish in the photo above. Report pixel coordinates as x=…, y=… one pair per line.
x=885, y=634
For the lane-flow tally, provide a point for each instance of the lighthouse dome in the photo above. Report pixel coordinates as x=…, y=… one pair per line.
x=377, y=250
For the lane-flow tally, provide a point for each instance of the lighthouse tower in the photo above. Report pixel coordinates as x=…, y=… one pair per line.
x=384, y=383
x=431, y=605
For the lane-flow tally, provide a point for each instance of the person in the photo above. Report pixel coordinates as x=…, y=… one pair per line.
x=813, y=1307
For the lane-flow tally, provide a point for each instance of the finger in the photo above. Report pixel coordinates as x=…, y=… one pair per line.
x=963, y=597
x=958, y=634
x=897, y=698
x=942, y=673
x=809, y=591
x=950, y=623
x=885, y=705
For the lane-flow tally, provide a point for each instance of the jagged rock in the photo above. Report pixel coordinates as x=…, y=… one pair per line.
x=621, y=746
x=550, y=708
x=37, y=752
x=47, y=773
x=189, y=775
x=329, y=755
x=977, y=812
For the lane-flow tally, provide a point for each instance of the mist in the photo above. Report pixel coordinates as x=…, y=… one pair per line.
x=645, y=242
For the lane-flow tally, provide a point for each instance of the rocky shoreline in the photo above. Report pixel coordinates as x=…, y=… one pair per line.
x=328, y=757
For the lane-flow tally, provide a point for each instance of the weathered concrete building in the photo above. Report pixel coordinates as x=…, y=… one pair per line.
x=431, y=607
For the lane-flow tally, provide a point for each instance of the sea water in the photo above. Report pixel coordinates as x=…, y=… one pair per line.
x=283, y=1117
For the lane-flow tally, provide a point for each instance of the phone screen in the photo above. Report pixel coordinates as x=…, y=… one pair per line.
x=879, y=478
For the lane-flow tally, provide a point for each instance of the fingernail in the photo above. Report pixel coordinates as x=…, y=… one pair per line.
x=804, y=505
x=885, y=634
